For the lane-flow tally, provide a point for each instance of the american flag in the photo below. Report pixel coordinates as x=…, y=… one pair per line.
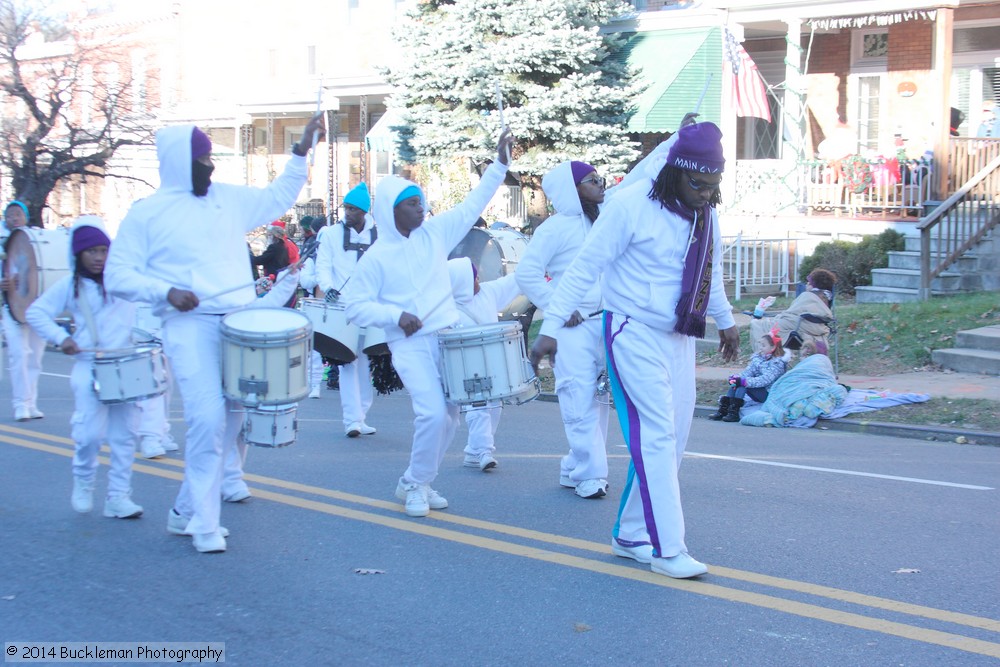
x=749, y=94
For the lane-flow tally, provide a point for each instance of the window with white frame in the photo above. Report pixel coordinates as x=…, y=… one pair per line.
x=870, y=49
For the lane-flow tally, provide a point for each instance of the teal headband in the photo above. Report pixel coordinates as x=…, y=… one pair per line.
x=21, y=204
x=408, y=191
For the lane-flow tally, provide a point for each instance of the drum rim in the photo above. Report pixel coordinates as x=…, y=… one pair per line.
x=106, y=357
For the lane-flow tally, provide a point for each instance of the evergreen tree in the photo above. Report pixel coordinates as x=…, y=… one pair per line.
x=566, y=89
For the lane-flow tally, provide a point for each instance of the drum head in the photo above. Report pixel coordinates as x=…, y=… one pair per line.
x=21, y=265
x=481, y=247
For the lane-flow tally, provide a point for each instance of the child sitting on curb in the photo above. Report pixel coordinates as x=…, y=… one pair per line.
x=764, y=368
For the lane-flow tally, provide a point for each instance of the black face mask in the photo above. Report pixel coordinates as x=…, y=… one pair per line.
x=201, y=178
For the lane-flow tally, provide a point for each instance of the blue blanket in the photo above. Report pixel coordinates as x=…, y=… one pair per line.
x=809, y=392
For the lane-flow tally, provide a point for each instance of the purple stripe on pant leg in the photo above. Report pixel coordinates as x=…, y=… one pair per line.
x=633, y=433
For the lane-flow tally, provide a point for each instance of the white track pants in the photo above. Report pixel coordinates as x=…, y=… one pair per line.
x=652, y=377
x=192, y=343
x=580, y=359
x=482, y=425
x=416, y=361
x=94, y=423
x=356, y=391
x=24, y=355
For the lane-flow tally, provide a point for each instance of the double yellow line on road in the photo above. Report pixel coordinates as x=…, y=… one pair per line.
x=445, y=526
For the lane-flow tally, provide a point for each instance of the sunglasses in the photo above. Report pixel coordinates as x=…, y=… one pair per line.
x=597, y=180
x=698, y=186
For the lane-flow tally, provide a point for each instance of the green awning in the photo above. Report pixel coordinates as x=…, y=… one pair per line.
x=381, y=137
x=676, y=64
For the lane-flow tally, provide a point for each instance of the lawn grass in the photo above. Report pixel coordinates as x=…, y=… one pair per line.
x=885, y=339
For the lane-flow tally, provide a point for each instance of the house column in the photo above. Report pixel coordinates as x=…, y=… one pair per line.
x=792, y=106
x=943, y=33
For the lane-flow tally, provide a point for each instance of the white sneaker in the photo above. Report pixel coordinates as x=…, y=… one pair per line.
x=168, y=443
x=177, y=524
x=209, y=543
x=150, y=447
x=681, y=566
x=642, y=553
x=565, y=480
x=237, y=496
x=367, y=430
x=314, y=393
x=435, y=500
x=22, y=414
x=415, y=501
x=121, y=507
x=35, y=413
x=82, y=499
x=353, y=431
x=484, y=461
x=592, y=488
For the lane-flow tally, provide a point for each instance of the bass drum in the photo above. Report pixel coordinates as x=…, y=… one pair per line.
x=36, y=259
x=495, y=252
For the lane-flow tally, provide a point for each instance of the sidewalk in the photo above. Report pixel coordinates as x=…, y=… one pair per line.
x=935, y=383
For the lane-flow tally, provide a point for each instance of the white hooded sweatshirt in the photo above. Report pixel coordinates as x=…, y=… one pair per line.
x=486, y=306
x=410, y=274
x=112, y=317
x=176, y=239
x=556, y=242
x=334, y=265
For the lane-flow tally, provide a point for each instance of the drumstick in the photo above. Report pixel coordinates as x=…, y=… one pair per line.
x=503, y=123
x=319, y=108
x=703, y=91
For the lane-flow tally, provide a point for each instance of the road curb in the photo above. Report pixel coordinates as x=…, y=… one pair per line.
x=931, y=433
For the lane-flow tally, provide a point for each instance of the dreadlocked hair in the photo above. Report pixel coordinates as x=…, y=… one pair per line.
x=667, y=187
x=79, y=273
x=590, y=209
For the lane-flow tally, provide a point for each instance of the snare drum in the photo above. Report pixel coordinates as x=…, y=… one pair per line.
x=270, y=426
x=265, y=354
x=373, y=341
x=130, y=374
x=334, y=337
x=484, y=363
x=36, y=259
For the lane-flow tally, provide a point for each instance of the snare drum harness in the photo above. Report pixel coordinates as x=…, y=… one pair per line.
x=332, y=295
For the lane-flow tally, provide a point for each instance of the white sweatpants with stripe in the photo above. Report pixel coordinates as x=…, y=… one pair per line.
x=652, y=377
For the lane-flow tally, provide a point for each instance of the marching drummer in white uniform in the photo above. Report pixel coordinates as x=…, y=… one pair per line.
x=24, y=347
x=480, y=303
x=102, y=322
x=340, y=248
x=186, y=239
x=576, y=191
x=402, y=286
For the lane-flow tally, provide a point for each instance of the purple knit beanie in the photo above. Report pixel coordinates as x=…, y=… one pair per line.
x=87, y=237
x=698, y=148
x=200, y=144
x=580, y=170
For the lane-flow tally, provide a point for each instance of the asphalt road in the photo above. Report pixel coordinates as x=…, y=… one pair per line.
x=824, y=548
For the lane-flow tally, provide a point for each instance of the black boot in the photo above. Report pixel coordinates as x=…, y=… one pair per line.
x=723, y=409
x=734, y=410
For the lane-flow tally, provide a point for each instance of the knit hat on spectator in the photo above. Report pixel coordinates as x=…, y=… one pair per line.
x=359, y=197
x=201, y=145
x=698, y=148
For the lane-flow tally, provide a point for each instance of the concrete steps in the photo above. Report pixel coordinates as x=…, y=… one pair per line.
x=975, y=351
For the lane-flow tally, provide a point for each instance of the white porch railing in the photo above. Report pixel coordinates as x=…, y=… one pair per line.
x=758, y=265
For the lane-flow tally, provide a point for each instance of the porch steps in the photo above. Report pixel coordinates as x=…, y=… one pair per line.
x=975, y=271
x=975, y=351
